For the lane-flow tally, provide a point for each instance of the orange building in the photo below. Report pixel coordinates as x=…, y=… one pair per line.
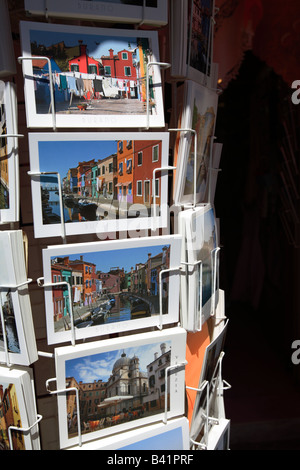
x=125, y=171
x=89, y=279
x=147, y=157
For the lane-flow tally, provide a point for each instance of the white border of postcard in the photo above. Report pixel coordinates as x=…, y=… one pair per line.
x=133, y=217
x=173, y=435
x=68, y=361
x=71, y=117
x=9, y=100
x=219, y=436
x=170, y=315
x=110, y=10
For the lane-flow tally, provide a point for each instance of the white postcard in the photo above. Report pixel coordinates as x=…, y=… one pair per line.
x=9, y=159
x=121, y=285
x=199, y=119
x=123, y=383
x=109, y=182
x=100, y=77
x=192, y=33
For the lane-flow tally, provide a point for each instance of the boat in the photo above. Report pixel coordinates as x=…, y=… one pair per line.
x=98, y=315
x=140, y=308
x=84, y=324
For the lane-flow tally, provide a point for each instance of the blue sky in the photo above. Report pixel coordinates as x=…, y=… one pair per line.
x=166, y=440
x=126, y=258
x=97, y=45
x=99, y=366
x=60, y=156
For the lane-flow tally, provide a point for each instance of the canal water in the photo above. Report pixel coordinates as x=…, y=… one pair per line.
x=11, y=336
x=73, y=212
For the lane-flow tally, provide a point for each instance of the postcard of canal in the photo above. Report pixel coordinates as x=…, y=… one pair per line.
x=100, y=77
x=122, y=383
x=115, y=286
x=108, y=182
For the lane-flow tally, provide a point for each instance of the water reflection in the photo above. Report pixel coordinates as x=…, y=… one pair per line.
x=10, y=325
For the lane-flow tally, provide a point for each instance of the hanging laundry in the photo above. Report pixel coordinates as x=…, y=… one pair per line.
x=63, y=82
x=71, y=81
x=88, y=86
x=80, y=86
x=98, y=86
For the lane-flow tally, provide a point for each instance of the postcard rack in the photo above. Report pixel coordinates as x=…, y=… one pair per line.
x=54, y=102
x=218, y=383
x=9, y=287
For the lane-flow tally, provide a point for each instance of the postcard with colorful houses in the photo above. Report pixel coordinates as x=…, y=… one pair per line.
x=100, y=77
x=8, y=155
x=122, y=383
x=115, y=286
x=108, y=182
x=130, y=11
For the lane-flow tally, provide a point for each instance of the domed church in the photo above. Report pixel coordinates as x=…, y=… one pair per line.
x=126, y=379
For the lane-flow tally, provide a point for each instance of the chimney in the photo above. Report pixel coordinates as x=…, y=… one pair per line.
x=111, y=53
x=81, y=258
x=163, y=348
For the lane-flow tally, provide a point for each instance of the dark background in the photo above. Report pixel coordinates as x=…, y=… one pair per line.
x=259, y=258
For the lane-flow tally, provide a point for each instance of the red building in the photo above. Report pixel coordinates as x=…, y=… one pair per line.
x=85, y=64
x=119, y=65
x=147, y=157
x=110, y=283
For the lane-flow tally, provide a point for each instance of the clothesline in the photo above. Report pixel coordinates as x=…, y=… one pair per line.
x=78, y=83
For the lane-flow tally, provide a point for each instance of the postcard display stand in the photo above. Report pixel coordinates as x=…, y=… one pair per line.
x=122, y=241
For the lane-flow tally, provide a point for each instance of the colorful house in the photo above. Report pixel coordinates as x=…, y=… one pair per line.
x=57, y=292
x=88, y=280
x=119, y=65
x=125, y=171
x=81, y=172
x=62, y=264
x=110, y=283
x=94, y=184
x=147, y=157
x=85, y=64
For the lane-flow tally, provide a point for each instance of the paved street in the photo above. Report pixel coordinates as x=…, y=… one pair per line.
x=103, y=106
